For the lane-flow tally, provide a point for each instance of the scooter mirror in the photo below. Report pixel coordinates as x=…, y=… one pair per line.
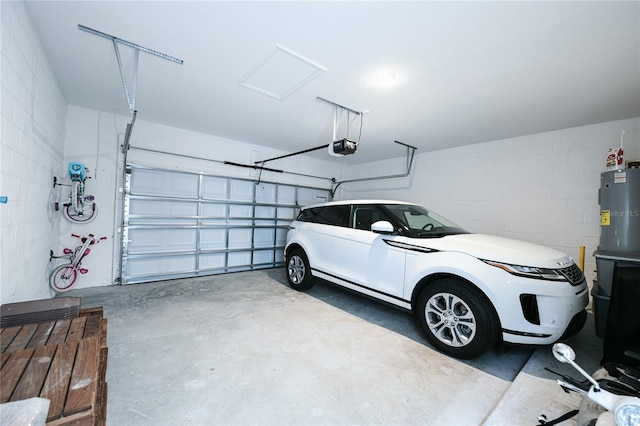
x=563, y=353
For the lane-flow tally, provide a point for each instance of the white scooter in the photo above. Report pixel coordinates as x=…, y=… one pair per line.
x=623, y=409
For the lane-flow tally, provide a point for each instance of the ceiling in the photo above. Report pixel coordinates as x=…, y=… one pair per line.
x=465, y=72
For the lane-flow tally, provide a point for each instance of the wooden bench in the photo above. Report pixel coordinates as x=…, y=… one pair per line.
x=64, y=361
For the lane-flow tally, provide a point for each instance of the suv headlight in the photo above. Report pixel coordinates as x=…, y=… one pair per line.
x=529, y=271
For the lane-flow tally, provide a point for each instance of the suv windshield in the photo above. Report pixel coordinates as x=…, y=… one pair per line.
x=420, y=222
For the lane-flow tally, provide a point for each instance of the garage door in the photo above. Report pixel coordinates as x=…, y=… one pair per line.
x=179, y=224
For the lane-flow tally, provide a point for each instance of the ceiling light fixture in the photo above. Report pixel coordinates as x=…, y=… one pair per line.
x=383, y=80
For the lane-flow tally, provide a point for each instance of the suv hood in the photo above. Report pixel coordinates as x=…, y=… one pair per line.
x=499, y=249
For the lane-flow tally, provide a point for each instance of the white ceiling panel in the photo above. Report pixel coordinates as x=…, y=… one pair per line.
x=432, y=74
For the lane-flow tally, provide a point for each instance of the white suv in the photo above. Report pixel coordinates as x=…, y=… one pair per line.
x=467, y=290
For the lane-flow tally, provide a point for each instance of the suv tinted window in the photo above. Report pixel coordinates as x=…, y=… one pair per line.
x=364, y=215
x=327, y=215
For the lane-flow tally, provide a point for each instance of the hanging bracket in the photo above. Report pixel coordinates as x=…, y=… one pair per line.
x=411, y=151
x=344, y=146
x=129, y=89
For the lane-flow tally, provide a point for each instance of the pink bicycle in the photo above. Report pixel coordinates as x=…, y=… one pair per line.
x=65, y=276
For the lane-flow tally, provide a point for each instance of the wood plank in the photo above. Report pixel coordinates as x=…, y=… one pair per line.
x=64, y=361
x=5, y=356
x=82, y=388
x=86, y=418
x=56, y=384
x=103, y=332
x=104, y=355
x=97, y=310
x=12, y=372
x=76, y=331
x=22, y=338
x=34, y=375
x=102, y=421
x=7, y=336
x=59, y=333
x=93, y=327
x=42, y=334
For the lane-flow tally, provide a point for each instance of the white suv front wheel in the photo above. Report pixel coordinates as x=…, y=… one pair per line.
x=298, y=270
x=457, y=319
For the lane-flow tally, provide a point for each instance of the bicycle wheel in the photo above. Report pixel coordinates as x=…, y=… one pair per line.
x=63, y=278
x=88, y=212
x=76, y=196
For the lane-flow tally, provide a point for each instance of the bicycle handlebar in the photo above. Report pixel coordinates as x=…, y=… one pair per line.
x=95, y=240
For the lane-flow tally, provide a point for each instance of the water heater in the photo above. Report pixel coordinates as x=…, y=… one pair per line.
x=619, y=199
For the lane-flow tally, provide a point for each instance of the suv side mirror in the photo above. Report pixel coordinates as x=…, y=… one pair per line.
x=382, y=227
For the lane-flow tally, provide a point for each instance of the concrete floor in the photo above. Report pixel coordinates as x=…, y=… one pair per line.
x=245, y=348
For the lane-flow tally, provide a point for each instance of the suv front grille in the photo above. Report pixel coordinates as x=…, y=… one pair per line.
x=573, y=274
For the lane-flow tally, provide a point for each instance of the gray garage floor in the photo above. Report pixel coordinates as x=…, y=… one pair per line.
x=245, y=348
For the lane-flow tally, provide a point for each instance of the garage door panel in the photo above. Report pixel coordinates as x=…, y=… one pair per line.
x=213, y=214
x=208, y=210
x=240, y=238
x=307, y=196
x=241, y=190
x=180, y=224
x=150, y=211
x=264, y=223
x=263, y=257
x=214, y=188
x=265, y=212
x=213, y=239
x=213, y=261
x=287, y=194
x=287, y=213
x=263, y=237
x=281, y=236
x=157, y=182
x=159, y=222
x=237, y=259
x=159, y=265
x=161, y=240
x=266, y=193
x=240, y=211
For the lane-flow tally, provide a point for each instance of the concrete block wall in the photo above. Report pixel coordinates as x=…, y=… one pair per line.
x=33, y=118
x=541, y=188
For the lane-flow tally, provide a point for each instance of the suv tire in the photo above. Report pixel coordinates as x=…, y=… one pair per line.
x=457, y=319
x=298, y=270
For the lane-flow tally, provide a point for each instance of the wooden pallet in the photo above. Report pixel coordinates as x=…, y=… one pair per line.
x=64, y=361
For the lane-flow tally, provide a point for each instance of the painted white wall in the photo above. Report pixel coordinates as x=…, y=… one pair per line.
x=95, y=138
x=33, y=118
x=541, y=188
x=92, y=139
